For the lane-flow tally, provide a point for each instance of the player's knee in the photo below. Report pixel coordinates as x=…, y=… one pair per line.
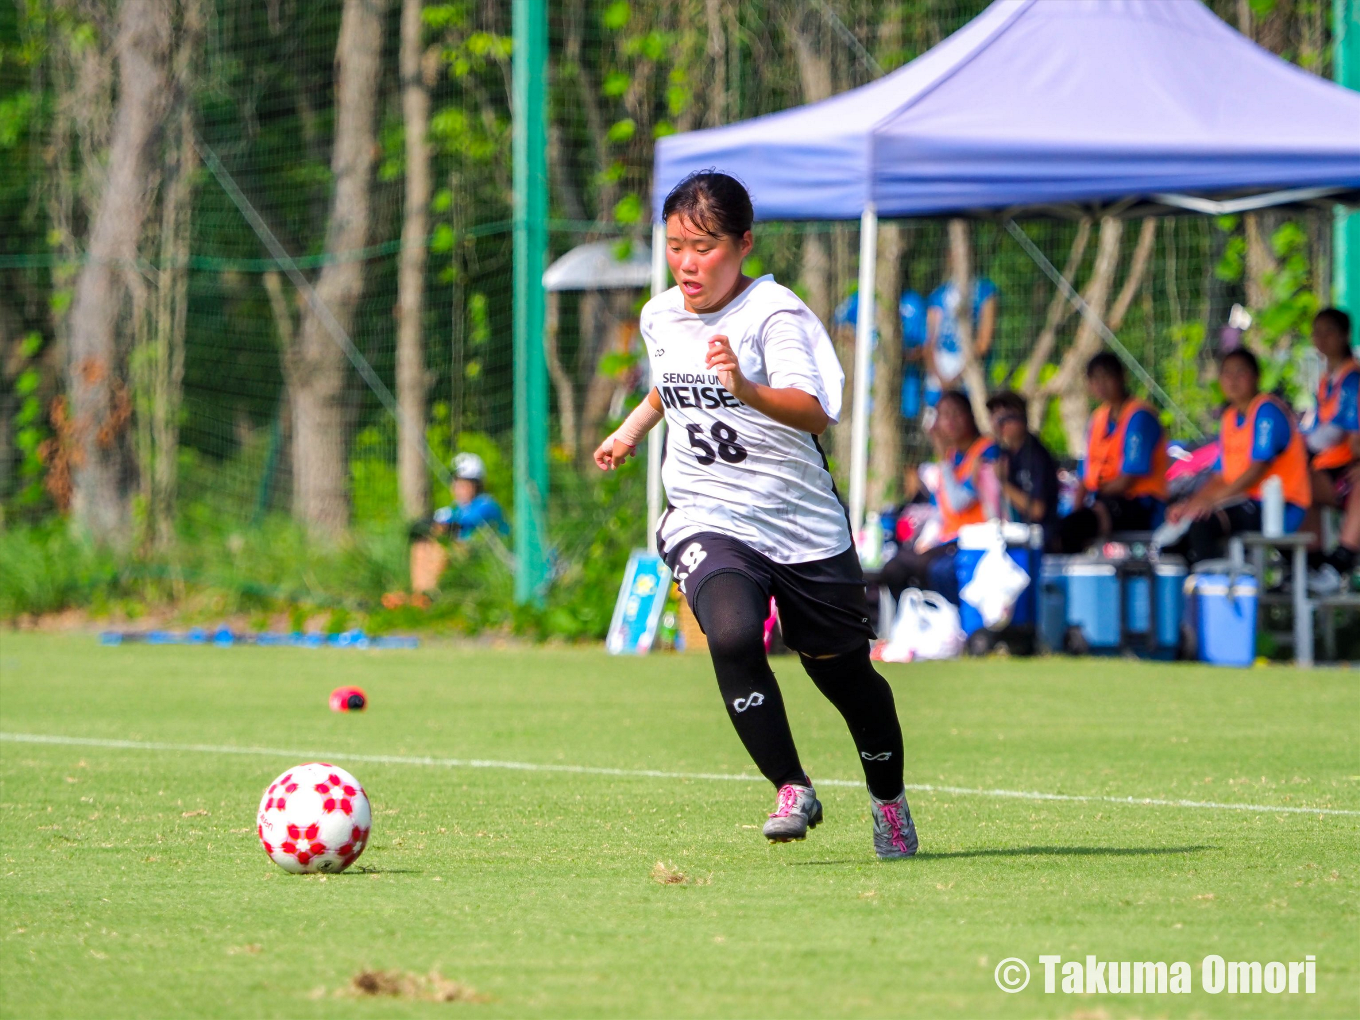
x=835, y=663
x=736, y=639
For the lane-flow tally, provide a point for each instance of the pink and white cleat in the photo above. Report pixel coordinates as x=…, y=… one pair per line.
x=796, y=811
x=894, y=831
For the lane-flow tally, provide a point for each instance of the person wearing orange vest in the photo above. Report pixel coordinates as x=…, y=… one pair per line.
x=964, y=455
x=1124, y=473
x=1332, y=434
x=1258, y=439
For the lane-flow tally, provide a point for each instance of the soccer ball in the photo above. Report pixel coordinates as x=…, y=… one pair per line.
x=314, y=817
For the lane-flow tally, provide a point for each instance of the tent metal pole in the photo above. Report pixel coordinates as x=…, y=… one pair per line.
x=657, y=438
x=864, y=339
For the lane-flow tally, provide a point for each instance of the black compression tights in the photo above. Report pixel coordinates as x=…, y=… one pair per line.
x=732, y=611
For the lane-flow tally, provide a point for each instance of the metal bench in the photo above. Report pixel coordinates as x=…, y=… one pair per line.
x=1328, y=605
x=1298, y=596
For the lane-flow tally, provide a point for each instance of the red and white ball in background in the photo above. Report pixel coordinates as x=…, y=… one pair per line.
x=314, y=817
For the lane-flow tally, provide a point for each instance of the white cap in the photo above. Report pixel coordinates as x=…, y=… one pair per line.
x=469, y=466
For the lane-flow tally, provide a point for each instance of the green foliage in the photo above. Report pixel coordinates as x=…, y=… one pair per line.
x=616, y=15
x=628, y=210
x=1052, y=431
x=1293, y=301
x=44, y=570
x=1180, y=375
x=223, y=565
x=622, y=130
x=15, y=113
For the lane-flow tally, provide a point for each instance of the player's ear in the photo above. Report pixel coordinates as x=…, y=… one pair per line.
x=746, y=243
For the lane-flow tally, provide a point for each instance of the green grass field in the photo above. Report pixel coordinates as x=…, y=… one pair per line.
x=133, y=884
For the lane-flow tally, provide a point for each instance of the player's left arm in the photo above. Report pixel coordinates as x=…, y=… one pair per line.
x=788, y=405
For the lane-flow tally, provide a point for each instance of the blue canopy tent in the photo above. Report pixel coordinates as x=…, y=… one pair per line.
x=1047, y=107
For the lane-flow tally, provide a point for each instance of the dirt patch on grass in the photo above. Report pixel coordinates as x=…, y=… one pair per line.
x=396, y=984
x=665, y=874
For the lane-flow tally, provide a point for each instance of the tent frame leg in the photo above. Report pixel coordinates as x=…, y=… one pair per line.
x=864, y=340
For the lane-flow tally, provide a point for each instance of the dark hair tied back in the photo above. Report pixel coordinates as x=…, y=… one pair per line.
x=712, y=201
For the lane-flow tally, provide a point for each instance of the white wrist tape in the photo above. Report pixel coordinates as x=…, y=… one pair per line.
x=638, y=424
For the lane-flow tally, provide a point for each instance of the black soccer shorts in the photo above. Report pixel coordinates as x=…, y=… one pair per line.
x=822, y=605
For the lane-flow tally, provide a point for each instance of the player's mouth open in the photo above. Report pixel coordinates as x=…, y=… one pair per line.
x=691, y=287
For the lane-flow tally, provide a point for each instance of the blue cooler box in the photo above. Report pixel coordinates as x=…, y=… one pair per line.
x=1169, y=576
x=1093, y=603
x=1025, y=610
x=1053, y=602
x=1222, y=611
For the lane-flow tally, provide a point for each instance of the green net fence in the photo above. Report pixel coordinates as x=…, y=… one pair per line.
x=233, y=407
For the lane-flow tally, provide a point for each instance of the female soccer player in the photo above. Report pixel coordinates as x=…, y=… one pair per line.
x=746, y=378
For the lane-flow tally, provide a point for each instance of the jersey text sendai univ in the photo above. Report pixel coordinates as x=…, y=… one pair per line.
x=729, y=468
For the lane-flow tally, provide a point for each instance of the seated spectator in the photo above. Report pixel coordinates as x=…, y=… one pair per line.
x=1028, y=472
x=1332, y=435
x=1258, y=440
x=1126, y=463
x=472, y=508
x=964, y=455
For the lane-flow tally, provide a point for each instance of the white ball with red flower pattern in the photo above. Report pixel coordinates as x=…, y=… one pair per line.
x=314, y=817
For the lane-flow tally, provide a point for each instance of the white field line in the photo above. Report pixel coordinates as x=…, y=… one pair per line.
x=591, y=770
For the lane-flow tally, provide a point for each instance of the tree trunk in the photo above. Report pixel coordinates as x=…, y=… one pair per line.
x=172, y=287
x=98, y=397
x=717, y=54
x=961, y=266
x=1142, y=256
x=1059, y=309
x=413, y=479
x=885, y=420
x=316, y=380
x=816, y=274
x=562, y=382
x=604, y=316
x=1070, y=381
x=1259, y=269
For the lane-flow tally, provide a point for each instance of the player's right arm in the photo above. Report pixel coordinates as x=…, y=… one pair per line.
x=623, y=442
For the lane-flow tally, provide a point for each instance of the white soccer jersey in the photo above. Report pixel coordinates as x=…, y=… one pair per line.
x=729, y=468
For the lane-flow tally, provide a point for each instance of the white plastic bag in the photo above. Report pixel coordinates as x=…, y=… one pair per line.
x=926, y=627
x=997, y=582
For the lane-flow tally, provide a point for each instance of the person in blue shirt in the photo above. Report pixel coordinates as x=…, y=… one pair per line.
x=1332, y=435
x=472, y=509
x=912, y=311
x=943, y=350
x=1124, y=470
x=472, y=506
x=1258, y=440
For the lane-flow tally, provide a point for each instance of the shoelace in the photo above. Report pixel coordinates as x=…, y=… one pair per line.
x=788, y=800
x=893, y=817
